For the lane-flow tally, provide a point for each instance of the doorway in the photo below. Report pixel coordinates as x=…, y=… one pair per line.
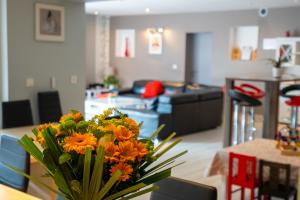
x=198, y=58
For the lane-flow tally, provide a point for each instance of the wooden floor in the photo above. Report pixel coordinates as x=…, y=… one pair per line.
x=202, y=147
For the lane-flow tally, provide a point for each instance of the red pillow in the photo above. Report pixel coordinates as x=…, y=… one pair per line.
x=153, y=89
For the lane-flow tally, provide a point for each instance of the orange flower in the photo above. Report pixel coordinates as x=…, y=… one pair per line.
x=127, y=151
x=141, y=149
x=133, y=126
x=111, y=152
x=40, y=138
x=79, y=142
x=75, y=116
x=122, y=133
x=124, y=168
x=58, y=132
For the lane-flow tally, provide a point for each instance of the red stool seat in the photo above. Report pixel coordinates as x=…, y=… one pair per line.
x=252, y=91
x=293, y=101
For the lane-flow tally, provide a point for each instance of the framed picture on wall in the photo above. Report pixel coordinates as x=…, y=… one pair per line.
x=155, y=43
x=49, y=22
x=125, y=43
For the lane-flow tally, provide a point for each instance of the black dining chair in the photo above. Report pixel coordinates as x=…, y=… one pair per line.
x=274, y=180
x=179, y=189
x=16, y=114
x=49, y=106
x=13, y=154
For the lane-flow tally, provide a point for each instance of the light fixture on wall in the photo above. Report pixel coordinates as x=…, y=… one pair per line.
x=96, y=12
x=155, y=30
x=147, y=10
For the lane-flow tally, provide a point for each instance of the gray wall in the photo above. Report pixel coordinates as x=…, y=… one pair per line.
x=176, y=28
x=90, y=49
x=42, y=60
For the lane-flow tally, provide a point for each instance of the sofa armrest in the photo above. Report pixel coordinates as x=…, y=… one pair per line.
x=125, y=91
x=178, y=98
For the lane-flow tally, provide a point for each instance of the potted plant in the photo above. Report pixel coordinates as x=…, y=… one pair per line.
x=111, y=82
x=277, y=69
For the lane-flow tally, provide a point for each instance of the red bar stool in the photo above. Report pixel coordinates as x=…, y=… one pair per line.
x=245, y=176
x=245, y=98
x=294, y=102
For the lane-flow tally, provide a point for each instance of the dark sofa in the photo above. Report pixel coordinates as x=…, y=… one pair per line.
x=183, y=108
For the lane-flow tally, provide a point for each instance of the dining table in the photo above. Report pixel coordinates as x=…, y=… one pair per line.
x=36, y=169
x=262, y=149
x=8, y=193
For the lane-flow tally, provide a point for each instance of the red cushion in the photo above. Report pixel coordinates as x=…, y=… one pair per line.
x=294, y=101
x=153, y=89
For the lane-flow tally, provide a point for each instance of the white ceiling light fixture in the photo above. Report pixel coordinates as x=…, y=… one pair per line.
x=263, y=12
x=96, y=13
x=147, y=10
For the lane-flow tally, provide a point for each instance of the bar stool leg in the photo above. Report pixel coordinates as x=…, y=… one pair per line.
x=294, y=119
x=252, y=128
x=243, y=125
x=235, y=139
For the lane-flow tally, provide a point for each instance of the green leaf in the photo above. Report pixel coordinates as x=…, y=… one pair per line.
x=49, y=162
x=168, y=148
x=75, y=185
x=35, y=131
x=31, y=148
x=86, y=172
x=156, y=177
x=126, y=191
x=164, y=142
x=33, y=179
x=64, y=158
x=61, y=183
x=115, y=177
x=168, y=161
x=156, y=132
x=140, y=193
x=96, y=179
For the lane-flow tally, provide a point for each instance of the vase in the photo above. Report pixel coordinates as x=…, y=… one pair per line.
x=276, y=72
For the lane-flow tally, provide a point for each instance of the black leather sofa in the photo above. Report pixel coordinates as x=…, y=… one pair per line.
x=183, y=108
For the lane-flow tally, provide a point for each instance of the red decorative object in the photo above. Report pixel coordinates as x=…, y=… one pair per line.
x=252, y=91
x=153, y=89
x=287, y=34
x=127, y=53
x=245, y=176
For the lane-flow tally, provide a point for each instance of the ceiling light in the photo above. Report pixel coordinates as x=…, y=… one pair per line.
x=96, y=12
x=147, y=10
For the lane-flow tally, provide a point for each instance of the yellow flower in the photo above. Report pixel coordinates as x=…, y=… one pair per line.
x=122, y=133
x=111, y=152
x=124, y=168
x=58, y=132
x=127, y=151
x=133, y=126
x=141, y=149
x=79, y=142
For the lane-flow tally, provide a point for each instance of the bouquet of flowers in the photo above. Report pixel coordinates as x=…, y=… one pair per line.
x=99, y=159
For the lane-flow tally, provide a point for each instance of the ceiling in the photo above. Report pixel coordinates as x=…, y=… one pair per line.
x=137, y=7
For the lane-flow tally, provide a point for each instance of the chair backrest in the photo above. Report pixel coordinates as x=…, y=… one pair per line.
x=12, y=153
x=16, y=113
x=49, y=106
x=179, y=189
x=274, y=178
x=242, y=170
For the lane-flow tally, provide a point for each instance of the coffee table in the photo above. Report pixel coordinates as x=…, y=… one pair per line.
x=97, y=106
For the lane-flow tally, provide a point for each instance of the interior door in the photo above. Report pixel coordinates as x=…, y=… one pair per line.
x=199, y=58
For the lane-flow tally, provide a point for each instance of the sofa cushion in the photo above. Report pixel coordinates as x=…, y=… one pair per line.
x=153, y=89
x=178, y=98
x=173, y=87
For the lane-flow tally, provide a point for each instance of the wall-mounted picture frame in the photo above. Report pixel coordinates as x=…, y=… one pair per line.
x=125, y=43
x=155, y=43
x=49, y=22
